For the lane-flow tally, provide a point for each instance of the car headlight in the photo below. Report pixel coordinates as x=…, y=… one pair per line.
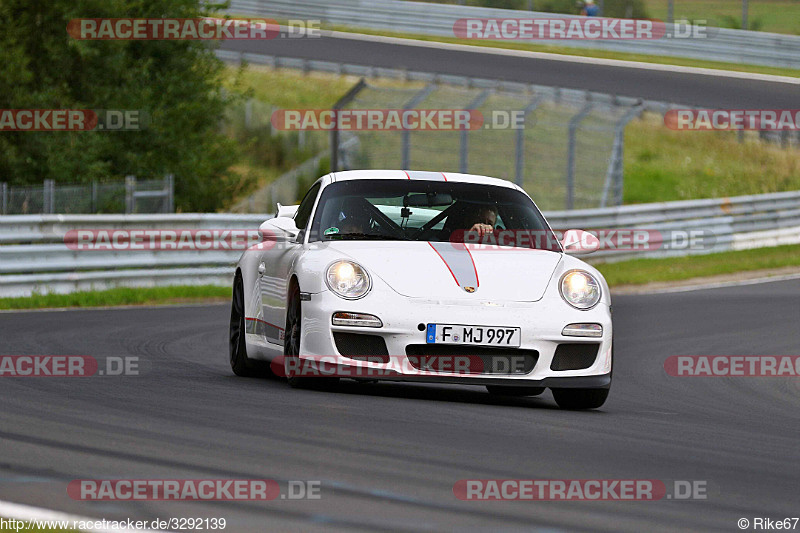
x=580, y=289
x=348, y=280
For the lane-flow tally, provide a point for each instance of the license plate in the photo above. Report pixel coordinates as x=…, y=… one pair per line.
x=474, y=335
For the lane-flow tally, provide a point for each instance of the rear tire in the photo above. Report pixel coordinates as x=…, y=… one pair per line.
x=579, y=399
x=240, y=363
x=291, y=348
x=502, y=390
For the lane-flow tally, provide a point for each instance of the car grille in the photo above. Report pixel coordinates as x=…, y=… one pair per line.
x=574, y=356
x=362, y=347
x=471, y=359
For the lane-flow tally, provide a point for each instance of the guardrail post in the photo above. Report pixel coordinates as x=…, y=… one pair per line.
x=343, y=101
x=169, y=190
x=519, y=170
x=464, y=151
x=574, y=122
x=4, y=204
x=406, y=134
x=130, y=189
x=48, y=192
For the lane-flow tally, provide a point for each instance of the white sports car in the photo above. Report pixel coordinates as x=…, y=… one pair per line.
x=422, y=276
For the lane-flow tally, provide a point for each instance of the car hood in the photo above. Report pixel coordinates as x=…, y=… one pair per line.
x=444, y=270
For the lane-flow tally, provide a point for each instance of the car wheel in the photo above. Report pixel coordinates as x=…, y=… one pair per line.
x=502, y=390
x=580, y=398
x=291, y=348
x=238, y=348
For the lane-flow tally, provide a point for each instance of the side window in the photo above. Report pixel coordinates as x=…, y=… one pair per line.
x=304, y=210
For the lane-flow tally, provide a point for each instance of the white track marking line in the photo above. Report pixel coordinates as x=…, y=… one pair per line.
x=565, y=58
x=18, y=511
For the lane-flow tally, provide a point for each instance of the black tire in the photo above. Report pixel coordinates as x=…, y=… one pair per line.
x=579, y=399
x=291, y=347
x=502, y=390
x=240, y=364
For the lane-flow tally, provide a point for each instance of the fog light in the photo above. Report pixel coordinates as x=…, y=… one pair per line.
x=342, y=318
x=582, y=330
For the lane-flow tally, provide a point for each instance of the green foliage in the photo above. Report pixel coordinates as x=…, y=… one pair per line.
x=176, y=83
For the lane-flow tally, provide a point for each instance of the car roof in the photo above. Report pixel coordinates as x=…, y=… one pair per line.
x=419, y=175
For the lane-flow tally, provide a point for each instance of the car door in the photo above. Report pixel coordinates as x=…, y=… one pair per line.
x=275, y=269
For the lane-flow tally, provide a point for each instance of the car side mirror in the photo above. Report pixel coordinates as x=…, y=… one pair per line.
x=279, y=228
x=579, y=242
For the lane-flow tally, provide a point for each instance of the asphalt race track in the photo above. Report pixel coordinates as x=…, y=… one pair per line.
x=676, y=87
x=388, y=455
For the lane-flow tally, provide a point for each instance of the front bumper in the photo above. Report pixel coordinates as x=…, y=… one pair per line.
x=541, y=324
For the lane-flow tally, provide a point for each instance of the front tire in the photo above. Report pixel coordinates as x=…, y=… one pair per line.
x=291, y=348
x=240, y=364
x=580, y=399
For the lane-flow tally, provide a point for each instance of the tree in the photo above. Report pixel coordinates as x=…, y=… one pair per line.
x=177, y=84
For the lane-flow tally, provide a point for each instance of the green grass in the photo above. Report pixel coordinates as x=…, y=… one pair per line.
x=663, y=164
x=291, y=89
x=119, y=296
x=641, y=271
x=777, y=16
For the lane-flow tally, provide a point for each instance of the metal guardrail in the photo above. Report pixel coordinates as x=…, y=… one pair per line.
x=34, y=258
x=727, y=45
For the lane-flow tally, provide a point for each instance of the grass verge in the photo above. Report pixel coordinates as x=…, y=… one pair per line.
x=660, y=164
x=641, y=271
x=632, y=272
x=119, y=296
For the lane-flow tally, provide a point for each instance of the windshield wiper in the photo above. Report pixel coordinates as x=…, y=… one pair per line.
x=365, y=236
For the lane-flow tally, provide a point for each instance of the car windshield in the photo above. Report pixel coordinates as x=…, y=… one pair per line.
x=417, y=210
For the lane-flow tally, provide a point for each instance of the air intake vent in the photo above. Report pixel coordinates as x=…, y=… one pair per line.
x=362, y=347
x=574, y=356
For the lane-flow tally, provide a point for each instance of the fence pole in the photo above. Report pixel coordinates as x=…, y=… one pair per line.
x=48, y=192
x=169, y=186
x=464, y=156
x=94, y=197
x=574, y=122
x=130, y=189
x=406, y=133
x=519, y=174
x=616, y=167
x=343, y=101
x=5, y=197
